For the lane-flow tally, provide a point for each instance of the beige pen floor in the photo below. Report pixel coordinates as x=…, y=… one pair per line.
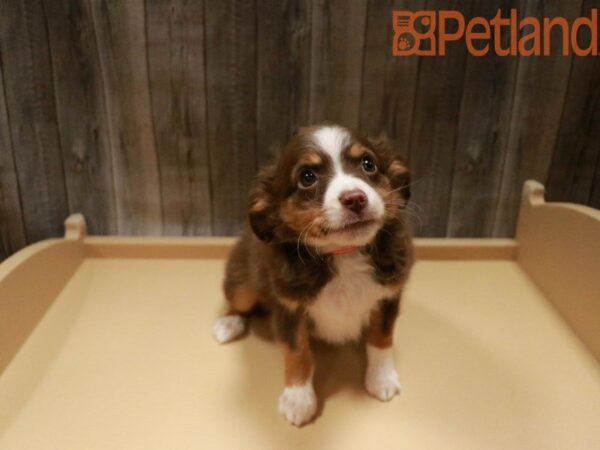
x=124, y=359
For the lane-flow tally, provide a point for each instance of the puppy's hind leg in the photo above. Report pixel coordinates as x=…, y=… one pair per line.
x=233, y=324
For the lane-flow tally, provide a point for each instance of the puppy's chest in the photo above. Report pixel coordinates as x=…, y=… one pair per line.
x=343, y=306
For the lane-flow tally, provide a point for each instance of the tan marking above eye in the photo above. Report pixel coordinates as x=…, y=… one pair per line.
x=356, y=151
x=311, y=159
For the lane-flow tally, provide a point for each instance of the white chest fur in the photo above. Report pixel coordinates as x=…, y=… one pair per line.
x=343, y=307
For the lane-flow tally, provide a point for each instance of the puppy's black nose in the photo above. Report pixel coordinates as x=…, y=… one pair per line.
x=354, y=200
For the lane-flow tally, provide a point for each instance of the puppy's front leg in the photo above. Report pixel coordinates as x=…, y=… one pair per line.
x=381, y=379
x=298, y=402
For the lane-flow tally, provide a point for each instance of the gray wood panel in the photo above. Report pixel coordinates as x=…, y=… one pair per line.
x=12, y=229
x=573, y=169
x=82, y=121
x=483, y=132
x=231, y=105
x=337, y=46
x=435, y=130
x=388, y=83
x=28, y=86
x=283, y=75
x=176, y=66
x=535, y=117
x=153, y=116
x=120, y=30
x=594, y=200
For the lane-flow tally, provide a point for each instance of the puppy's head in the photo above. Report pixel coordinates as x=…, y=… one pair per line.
x=329, y=187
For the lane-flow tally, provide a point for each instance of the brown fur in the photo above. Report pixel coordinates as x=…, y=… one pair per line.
x=381, y=324
x=243, y=300
x=297, y=354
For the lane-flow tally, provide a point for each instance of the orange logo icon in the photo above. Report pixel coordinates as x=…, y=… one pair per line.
x=414, y=33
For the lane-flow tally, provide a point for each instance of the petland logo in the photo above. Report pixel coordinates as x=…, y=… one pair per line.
x=427, y=33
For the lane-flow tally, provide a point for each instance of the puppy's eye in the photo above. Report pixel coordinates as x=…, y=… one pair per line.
x=368, y=164
x=307, y=178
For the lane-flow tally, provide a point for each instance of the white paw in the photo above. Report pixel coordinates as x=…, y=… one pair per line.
x=227, y=328
x=382, y=383
x=381, y=379
x=298, y=404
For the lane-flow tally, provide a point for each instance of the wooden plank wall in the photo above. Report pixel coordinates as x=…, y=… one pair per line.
x=152, y=116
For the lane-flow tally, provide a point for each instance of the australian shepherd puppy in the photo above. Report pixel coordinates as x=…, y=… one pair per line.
x=328, y=251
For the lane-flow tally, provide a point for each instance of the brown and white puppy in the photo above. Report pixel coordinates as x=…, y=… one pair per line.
x=328, y=252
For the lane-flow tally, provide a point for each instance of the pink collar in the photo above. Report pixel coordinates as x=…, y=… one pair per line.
x=339, y=251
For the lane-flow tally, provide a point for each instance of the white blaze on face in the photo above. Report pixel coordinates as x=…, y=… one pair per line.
x=333, y=140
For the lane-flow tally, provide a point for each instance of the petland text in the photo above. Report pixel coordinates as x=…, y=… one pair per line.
x=427, y=33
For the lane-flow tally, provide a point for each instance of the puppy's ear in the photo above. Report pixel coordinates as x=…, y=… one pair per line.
x=399, y=176
x=396, y=168
x=263, y=212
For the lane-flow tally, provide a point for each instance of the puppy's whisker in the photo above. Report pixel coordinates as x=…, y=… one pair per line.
x=298, y=243
x=398, y=203
x=318, y=250
x=406, y=186
x=306, y=236
x=415, y=217
x=414, y=205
